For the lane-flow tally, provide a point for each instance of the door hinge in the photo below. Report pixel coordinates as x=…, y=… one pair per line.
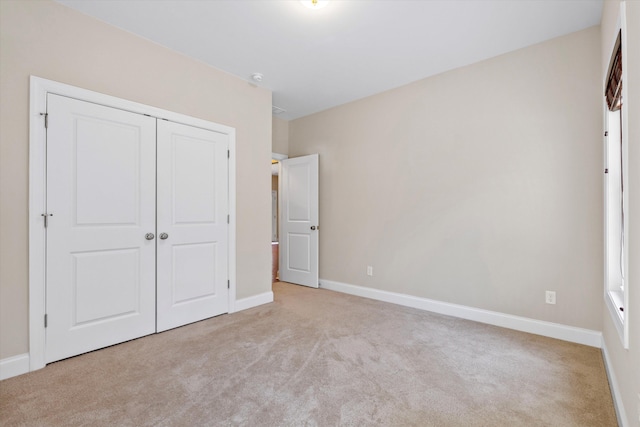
x=228, y=284
x=606, y=171
x=228, y=154
x=46, y=219
x=46, y=119
x=228, y=219
x=45, y=320
x=606, y=133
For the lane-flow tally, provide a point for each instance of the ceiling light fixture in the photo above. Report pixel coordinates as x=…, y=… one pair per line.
x=314, y=4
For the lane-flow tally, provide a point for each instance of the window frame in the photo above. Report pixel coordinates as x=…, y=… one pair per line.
x=614, y=298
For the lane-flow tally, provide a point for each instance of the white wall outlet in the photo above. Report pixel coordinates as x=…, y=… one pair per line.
x=550, y=297
x=369, y=270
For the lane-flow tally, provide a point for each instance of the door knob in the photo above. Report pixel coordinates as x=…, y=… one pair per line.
x=149, y=236
x=313, y=227
x=164, y=236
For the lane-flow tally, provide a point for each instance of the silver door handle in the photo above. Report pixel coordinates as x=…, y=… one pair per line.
x=164, y=236
x=149, y=236
x=314, y=227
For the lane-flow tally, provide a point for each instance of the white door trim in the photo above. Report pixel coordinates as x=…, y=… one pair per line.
x=39, y=88
x=278, y=157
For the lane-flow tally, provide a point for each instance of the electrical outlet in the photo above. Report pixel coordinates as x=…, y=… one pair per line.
x=369, y=270
x=550, y=297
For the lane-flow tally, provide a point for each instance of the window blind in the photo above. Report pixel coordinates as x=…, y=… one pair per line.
x=613, y=92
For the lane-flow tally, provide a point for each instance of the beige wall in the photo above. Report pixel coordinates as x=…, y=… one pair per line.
x=480, y=186
x=280, y=136
x=626, y=363
x=48, y=40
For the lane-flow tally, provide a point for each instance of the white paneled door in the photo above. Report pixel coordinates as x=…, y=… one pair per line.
x=192, y=224
x=101, y=193
x=137, y=243
x=299, y=228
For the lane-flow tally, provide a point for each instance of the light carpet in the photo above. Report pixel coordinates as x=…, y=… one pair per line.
x=320, y=358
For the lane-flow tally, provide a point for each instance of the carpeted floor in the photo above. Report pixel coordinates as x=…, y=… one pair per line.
x=319, y=358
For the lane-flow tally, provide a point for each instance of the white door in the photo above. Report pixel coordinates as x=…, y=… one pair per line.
x=298, y=187
x=192, y=224
x=100, y=276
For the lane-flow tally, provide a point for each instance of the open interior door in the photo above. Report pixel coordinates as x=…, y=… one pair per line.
x=298, y=187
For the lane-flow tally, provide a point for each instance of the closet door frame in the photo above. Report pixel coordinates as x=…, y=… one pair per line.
x=39, y=88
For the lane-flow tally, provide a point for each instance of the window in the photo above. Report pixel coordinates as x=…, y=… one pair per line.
x=616, y=223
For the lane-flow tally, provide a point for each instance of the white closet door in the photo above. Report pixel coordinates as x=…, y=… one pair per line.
x=101, y=195
x=192, y=224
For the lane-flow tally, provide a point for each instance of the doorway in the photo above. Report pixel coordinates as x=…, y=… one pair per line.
x=275, y=215
x=295, y=219
x=299, y=220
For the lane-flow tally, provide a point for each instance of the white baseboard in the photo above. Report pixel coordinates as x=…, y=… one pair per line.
x=615, y=390
x=524, y=324
x=14, y=366
x=254, y=301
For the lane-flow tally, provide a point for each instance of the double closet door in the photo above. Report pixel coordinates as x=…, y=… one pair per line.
x=137, y=232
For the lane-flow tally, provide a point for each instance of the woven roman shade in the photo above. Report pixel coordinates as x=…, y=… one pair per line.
x=613, y=92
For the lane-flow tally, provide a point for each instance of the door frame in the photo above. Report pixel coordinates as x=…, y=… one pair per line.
x=39, y=88
x=278, y=157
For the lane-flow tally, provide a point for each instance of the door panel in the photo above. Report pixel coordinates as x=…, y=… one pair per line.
x=101, y=193
x=192, y=211
x=194, y=179
x=299, y=241
x=106, y=285
x=190, y=258
x=299, y=257
x=108, y=157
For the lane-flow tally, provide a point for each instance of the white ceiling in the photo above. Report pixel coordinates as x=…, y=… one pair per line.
x=316, y=59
